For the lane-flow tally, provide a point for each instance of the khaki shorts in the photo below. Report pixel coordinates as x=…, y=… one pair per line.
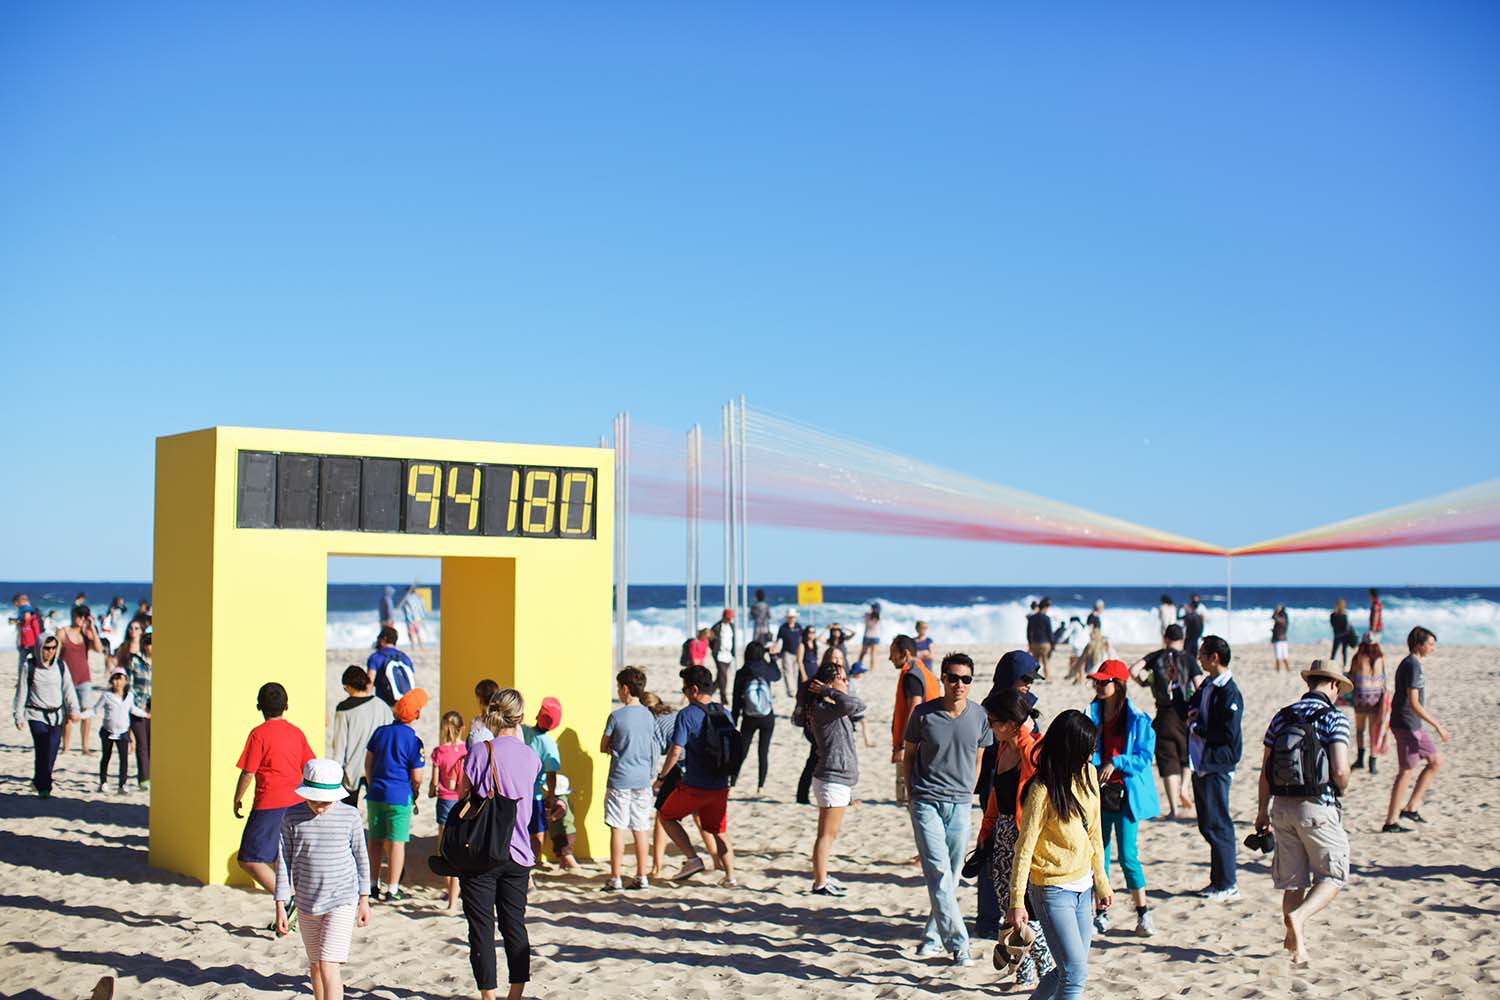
x=1311, y=845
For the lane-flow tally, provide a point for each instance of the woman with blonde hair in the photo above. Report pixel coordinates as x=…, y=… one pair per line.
x=1343, y=638
x=502, y=765
x=1095, y=653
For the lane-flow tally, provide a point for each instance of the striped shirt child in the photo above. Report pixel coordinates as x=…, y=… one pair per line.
x=323, y=857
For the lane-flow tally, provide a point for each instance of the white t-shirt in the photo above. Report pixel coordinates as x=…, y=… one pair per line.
x=726, y=643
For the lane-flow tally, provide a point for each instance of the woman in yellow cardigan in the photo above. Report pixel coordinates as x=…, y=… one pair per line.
x=1060, y=855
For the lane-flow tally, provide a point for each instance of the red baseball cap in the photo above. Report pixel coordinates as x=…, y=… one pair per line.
x=1111, y=670
x=729, y=614
x=549, y=716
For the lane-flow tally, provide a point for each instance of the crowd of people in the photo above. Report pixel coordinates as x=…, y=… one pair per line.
x=1062, y=800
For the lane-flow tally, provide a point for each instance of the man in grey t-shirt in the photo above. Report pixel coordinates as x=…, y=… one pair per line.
x=1416, y=754
x=942, y=746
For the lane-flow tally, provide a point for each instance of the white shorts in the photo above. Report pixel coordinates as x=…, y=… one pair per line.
x=829, y=794
x=1280, y=650
x=628, y=808
x=327, y=935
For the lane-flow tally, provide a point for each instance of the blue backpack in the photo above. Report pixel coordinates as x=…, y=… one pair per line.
x=758, y=699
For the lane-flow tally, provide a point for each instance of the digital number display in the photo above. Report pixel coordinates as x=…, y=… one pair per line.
x=414, y=496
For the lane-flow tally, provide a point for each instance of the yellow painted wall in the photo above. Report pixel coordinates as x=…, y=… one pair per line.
x=530, y=613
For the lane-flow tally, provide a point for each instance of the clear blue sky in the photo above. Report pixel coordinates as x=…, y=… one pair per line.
x=1229, y=273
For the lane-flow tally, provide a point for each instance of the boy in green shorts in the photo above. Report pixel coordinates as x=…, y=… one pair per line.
x=393, y=771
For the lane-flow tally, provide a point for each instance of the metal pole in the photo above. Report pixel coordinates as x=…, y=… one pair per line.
x=744, y=526
x=725, y=422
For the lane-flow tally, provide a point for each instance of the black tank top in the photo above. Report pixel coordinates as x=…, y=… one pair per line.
x=1007, y=785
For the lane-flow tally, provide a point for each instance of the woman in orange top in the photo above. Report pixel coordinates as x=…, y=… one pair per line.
x=1010, y=717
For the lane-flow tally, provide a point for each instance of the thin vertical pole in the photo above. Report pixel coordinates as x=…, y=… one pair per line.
x=726, y=420
x=744, y=526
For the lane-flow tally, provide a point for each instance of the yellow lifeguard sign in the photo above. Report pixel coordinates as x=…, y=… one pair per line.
x=246, y=520
x=809, y=593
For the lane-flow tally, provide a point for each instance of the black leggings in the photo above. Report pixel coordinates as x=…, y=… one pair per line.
x=804, y=783
x=749, y=727
x=498, y=893
x=121, y=744
x=140, y=728
x=1347, y=642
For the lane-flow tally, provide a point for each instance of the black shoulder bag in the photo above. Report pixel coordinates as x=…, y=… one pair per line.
x=476, y=838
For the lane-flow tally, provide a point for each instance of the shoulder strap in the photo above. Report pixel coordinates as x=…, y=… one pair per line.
x=494, y=774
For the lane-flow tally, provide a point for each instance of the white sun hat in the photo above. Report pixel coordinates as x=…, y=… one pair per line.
x=322, y=781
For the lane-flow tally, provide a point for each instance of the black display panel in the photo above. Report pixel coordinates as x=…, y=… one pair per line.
x=297, y=491
x=414, y=496
x=257, y=490
x=380, y=494
x=338, y=495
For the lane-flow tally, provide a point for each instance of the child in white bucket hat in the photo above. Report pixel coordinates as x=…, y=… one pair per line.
x=323, y=858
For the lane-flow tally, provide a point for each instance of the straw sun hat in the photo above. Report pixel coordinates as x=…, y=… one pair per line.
x=1324, y=671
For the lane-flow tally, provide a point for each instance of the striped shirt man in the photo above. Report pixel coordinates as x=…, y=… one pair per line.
x=1331, y=727
x=326, y=857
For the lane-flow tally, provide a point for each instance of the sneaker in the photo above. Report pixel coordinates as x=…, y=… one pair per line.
x=1395, y=828
x=612, y=884
x=690, y=867
x=122, y=790
x=394, y=895
x=1372, y=765
x=1228, y=892
x=146, y=785
x=103, y=786
x=929, y=951
x=829, y=888
x=641, y=882
x=1144, y=925
x=43, y=795
x=962, y=959
x=1101, y=922
x=1412, y=815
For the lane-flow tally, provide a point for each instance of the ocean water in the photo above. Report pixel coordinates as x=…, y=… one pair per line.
x=1465, y=616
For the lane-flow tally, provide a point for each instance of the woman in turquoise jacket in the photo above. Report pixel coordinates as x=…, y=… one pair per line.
x=1127, y=784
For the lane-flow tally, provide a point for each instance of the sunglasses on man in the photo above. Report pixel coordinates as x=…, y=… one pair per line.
x=959, y=678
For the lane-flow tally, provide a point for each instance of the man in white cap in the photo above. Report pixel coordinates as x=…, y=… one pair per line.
x=789, y=645
x=1304, y=769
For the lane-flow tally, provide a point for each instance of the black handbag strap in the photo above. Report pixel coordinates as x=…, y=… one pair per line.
x=494, y=775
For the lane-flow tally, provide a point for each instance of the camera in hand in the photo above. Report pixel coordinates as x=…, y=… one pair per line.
x=1263, y=841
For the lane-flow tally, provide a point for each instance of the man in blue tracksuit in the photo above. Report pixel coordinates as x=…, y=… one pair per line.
x=1214, y=750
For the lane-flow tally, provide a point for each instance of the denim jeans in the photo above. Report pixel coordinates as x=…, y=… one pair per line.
x=1067, y=920
x=1211, y=792
x=1123, y=829
x=942, y=832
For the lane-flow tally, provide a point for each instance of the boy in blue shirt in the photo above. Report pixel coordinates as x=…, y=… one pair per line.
x=393, y=771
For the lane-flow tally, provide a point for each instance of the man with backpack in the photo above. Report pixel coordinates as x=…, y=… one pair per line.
x=705, y=735
x=45, y=699
x=390, y=669
x=752, y=707
x=1172, y=674
x=1304, y=769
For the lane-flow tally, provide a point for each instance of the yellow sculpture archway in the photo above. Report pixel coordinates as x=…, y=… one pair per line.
x=246, y=520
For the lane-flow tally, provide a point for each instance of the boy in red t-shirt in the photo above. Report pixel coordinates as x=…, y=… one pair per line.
x=273, y=757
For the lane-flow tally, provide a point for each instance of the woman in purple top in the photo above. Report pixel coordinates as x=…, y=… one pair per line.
x=501, y=892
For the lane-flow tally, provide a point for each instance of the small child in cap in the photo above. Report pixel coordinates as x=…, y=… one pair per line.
x=538, y=737
x=323, y=858
x=562, y=830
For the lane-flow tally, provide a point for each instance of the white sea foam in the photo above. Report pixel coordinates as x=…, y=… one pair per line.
x=1471, y=621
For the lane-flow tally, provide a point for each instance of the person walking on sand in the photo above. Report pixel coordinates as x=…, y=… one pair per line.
x=1367, y=673
x=413, y=611
x=447, y=777
x=1166, y=613
x=722, y=642
x=1039, y=634
x=45, y=699
x=1127, y=791
x=870, y=643
x=703, y=791
x=1059, y=860
x=789, y=648
x=945, y=739
x=355, y=720
x=915, y=684
x=505, y=766
x=393, y=768
x=1173, y=678
x=1414, y=748
x=753, y=709
x=1011, y=718
x=1280, y=651
x=760, y=620
x=1343, y=634
x=630, y=740
x=274, y=754
x=1304, y=768
x=1096, y=616
x=1192, y=625
x=322, y=859
x=77, y=641
x=1377, y=614
x=390, y=669
x=136, y=660
x=1214, y=747
x=829, y=710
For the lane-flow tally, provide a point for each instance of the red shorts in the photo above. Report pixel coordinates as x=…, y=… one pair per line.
x=710, y=805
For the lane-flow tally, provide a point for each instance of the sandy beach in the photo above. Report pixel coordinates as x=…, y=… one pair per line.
x=1417, y=920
